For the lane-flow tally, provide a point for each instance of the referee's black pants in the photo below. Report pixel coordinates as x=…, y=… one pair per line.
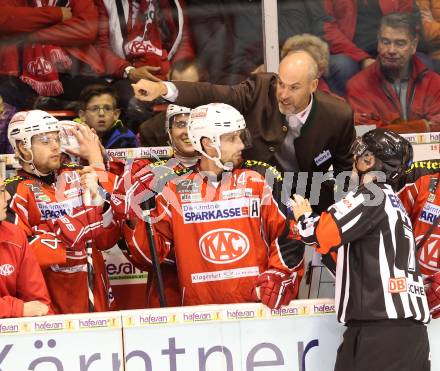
x=387, y=345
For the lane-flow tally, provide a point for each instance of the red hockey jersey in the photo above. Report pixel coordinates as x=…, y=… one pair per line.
x=21, y=278
x=127, y=200
x=51, y=212
x=222, y=234
x=421, y=200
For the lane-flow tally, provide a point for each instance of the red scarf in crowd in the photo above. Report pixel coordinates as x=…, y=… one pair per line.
x=40, y=63
x=144, y=45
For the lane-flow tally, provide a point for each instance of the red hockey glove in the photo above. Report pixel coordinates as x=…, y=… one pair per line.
x=432, y=289
x=117, y=202
x=131, y=197
x=84, y=224
x=275, y=288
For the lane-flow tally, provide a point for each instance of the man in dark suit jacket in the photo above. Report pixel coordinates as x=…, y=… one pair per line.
x=274, y=106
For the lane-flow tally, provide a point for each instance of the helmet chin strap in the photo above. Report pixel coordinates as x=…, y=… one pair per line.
x=224, y=166
x=186, y=161
x=217, y=160
x=34, y=170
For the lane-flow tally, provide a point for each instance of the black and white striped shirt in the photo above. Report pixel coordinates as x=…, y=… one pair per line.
x=377, y=273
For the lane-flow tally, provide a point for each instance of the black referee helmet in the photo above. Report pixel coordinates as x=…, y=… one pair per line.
x=393, y=153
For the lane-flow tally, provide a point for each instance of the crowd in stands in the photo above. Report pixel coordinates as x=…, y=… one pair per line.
x=129, y=73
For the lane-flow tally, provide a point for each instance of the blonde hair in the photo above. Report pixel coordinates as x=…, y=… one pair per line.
x=313, y=45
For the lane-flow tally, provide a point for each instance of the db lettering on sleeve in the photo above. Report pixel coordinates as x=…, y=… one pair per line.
x=401, y=284
x=396, y=285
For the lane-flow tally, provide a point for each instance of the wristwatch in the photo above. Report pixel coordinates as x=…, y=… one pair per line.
x=127, y=71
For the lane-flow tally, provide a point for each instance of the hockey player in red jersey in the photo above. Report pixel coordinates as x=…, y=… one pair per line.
x=379, y=289
x=127, y=202
x=421, y=199
x=220, y=222
x=132, y=192
x=60, y=209
x=23, y=292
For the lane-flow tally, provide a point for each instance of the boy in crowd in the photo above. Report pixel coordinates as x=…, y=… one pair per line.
x=100, y=111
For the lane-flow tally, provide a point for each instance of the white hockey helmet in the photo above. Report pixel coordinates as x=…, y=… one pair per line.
x=68, y=139
x=174, y=110
x=212, y=121
x=25, y=124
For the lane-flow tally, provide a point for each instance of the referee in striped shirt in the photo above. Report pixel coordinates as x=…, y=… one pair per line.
x=379, y=290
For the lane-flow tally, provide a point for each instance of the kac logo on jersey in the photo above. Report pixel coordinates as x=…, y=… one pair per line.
x=6, y=269
x=429, y=254
x=224, y=245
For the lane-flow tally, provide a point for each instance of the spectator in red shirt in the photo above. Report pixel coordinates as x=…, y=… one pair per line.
x=23, y=292
x=350, y=31
x=397, y=89
x=36, y=18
